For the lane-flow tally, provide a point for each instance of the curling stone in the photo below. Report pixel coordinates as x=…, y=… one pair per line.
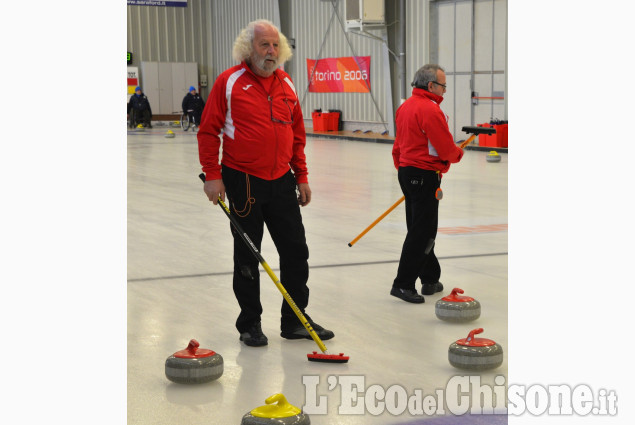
x=194, y=365
x=457, y=308
x=169, y=134
x=493, y=156
x=140, y=127
x=281, y=413
x=475, y=353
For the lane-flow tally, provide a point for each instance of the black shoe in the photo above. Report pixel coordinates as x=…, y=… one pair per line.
x=431, y=288
x=409, y=295
x=298, y=331
x=254, y=336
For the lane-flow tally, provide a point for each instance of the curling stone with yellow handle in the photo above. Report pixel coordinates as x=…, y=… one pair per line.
x=169, y=134
x=493, y=156
x=277, y=411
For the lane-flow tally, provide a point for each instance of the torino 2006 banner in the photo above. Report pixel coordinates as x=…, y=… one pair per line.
x=339, y=75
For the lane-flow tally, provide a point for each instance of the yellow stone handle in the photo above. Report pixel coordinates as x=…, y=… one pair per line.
x=280, y=410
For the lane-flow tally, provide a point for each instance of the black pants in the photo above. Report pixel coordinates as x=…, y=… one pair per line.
x=255, y=202
x=196, y=115
x=422, y=219
x=140, y=117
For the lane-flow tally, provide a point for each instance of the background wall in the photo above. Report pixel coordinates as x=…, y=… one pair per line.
x=204, y=32
x=318, y=29
x=171, y=34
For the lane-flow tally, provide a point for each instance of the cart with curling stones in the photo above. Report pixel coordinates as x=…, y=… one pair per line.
x=315, y=356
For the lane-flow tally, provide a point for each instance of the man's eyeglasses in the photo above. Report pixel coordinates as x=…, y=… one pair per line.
x=286, y=102
x=442, y=85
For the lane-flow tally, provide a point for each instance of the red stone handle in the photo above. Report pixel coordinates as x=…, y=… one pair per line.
x=193, y=346
x=473, y=332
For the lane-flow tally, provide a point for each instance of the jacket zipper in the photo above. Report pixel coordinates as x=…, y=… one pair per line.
x=275, y=131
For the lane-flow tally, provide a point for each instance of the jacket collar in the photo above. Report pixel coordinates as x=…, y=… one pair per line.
x=429, y=95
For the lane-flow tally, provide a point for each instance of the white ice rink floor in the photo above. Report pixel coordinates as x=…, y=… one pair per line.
x=180, y=288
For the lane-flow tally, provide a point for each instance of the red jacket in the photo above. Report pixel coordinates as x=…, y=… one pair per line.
x=423, y=139
x=253, y=143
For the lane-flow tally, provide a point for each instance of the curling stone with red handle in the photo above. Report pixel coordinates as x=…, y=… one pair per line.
x=457, y=308
x=281, y=413
x=194, y=365
x=475, y=353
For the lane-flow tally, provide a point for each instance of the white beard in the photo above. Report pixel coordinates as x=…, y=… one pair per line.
x=261, y=63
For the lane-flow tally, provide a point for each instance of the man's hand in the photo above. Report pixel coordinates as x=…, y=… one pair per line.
x=304, y=196
x=213, y=189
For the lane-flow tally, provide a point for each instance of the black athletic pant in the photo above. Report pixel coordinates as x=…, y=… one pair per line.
x=141, y=117
x=255, y=202
x=197, y=116
x=422, y=219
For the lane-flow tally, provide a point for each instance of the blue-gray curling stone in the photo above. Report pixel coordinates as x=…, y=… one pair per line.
x=140, y=127
x=493, y=156
x=194, y=365
x=281, y=413
x=169, y=134
x=457, y=308
x=475, y=353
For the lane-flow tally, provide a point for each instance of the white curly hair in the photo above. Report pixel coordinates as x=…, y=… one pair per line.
x=243, y=45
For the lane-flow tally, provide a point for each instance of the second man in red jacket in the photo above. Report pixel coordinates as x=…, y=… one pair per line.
x=423, y=150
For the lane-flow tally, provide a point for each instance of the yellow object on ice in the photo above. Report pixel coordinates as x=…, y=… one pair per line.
x=281, y=410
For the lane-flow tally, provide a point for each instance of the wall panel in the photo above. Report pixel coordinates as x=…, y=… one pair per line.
x=469, y=39
x=231, y=16
x=417, y=36
x=314, y=38
x=170, y=34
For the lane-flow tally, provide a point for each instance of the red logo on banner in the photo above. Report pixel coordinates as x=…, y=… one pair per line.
x=339, y=75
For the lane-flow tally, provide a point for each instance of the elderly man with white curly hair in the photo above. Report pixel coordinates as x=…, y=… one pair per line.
x=256, y=107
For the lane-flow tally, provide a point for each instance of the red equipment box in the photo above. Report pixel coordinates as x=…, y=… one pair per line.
x=325, y=121
x=319, y=121
x=498, y=140
x=333, y=121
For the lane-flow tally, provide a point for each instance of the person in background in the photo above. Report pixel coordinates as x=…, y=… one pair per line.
x=139, y=107
x=263, y=171
x=193, y=104
x=423, y=150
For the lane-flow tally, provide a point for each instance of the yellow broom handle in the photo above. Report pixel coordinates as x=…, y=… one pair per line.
x=293, y=306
